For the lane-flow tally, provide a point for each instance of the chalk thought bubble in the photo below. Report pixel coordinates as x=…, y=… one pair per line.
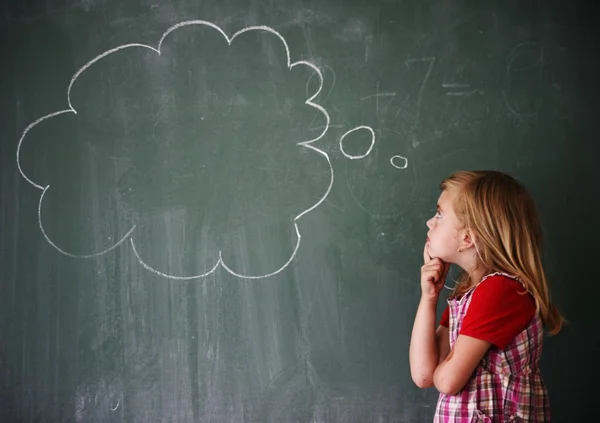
x=199, y=132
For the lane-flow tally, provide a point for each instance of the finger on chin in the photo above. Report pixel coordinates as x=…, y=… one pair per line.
x=426, y=256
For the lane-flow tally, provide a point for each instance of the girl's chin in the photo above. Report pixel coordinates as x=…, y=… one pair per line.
x=432, y=253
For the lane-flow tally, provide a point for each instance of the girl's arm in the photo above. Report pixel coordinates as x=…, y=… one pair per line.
x=443, y=343
x=455, y=370
x=428, y=346
x=426, y=343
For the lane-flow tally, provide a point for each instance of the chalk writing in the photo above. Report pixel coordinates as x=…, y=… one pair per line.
x=465, y=92
x=415, y=124
x=524, y=52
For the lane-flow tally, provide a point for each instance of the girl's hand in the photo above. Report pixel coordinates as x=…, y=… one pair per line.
x=433, y=275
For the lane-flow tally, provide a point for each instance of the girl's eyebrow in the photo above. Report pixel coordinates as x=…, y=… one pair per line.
x=439, y=208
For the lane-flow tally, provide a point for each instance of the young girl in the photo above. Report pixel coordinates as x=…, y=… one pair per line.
x=483, y=357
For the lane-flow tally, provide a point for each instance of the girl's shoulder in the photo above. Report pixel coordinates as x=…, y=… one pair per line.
x=497, y=275
x=497, y=281
x=494, y=278
x=500, y=285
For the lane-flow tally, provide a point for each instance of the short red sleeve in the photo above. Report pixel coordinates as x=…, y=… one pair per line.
x=445, y=319
x=498, y=311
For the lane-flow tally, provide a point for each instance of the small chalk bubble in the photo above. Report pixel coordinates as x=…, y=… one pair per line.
x=399, y=162
x=358, y=156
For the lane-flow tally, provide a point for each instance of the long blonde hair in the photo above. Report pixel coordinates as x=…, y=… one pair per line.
x=508, y=233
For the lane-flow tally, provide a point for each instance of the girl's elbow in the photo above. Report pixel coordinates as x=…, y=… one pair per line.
x=447, y=389
x=447, y=386
x=422, y=381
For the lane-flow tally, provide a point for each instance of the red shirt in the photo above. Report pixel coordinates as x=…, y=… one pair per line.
x=498, y=312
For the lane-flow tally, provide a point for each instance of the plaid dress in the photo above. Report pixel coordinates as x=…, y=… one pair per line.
x=506, y=386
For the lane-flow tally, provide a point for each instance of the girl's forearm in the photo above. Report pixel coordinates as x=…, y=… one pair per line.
x=424, y=354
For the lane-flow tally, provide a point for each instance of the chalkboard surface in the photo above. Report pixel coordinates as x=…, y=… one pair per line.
x=215, y=211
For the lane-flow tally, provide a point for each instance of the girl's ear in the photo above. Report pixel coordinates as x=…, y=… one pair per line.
x=468, y=239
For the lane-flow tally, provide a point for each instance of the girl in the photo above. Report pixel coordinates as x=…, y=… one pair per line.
x=483, y=357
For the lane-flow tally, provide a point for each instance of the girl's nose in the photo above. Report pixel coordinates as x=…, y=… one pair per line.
x=429, y=223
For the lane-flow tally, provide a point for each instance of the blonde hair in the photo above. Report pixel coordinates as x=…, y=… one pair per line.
x=508, y=234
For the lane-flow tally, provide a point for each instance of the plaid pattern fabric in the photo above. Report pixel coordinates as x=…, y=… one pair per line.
x=506, y=385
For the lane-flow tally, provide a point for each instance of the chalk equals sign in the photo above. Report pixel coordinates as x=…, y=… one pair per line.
x=465, y=89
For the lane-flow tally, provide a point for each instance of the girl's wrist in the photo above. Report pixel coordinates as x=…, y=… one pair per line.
x=430, y=300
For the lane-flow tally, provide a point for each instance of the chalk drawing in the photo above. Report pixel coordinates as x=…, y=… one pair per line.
x=129, y=235
x=359, y=156
x=399, y=162
x=385, y=209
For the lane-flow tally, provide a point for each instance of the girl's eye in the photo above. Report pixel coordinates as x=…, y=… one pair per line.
x=438, y=215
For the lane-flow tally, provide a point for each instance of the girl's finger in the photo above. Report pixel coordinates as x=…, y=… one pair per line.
x=426, y=256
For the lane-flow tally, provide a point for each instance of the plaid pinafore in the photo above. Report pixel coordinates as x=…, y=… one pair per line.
x=506, y=385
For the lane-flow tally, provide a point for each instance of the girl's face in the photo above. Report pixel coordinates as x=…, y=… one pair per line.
x=444, y=230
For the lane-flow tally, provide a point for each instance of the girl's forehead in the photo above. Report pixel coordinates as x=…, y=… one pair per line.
x=446, y=199
x=446, y=203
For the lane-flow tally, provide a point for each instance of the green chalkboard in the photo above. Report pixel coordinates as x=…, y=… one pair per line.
x=215, y=211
